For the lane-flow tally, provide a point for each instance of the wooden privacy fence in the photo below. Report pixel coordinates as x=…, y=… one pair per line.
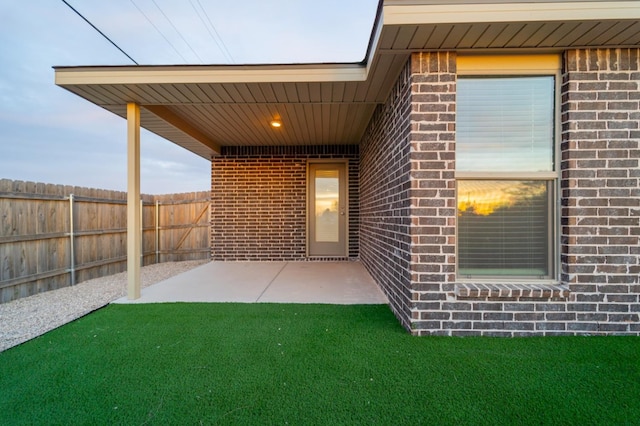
x=53, y=236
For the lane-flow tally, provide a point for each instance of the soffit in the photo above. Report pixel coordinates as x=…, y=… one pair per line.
x=517, y=25
x=516, y=36
x=333, y=103
x=318, y=103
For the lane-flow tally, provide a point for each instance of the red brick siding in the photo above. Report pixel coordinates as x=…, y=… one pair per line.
x=385, y=183
x=259, y=201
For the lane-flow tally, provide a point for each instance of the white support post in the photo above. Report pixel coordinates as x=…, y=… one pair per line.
x=134, y=225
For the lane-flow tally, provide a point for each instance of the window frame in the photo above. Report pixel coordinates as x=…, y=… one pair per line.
x=520, y=66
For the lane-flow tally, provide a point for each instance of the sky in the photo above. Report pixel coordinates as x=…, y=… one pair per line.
x=53, y=136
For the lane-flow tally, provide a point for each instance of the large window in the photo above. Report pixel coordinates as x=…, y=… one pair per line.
x=505, y=171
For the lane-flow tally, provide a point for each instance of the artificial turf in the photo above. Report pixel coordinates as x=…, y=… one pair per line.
x=307, y=364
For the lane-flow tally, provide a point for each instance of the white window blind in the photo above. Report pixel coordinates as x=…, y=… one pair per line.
x=505, y=124
x=503, y=228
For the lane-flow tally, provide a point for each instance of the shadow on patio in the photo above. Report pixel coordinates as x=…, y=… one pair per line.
x=343, y=283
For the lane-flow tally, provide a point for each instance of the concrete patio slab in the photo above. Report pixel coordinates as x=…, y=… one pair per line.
x=268, y=282
x=343, y=283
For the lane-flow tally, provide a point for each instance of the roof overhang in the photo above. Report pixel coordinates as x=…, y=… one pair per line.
x=204, y=108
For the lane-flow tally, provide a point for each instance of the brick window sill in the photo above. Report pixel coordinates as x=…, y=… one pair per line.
x=497, y=291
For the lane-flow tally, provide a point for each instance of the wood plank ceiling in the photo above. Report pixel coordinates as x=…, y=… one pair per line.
x=235, y=109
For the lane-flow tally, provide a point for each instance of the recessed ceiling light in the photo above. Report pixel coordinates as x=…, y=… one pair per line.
x=276, y=123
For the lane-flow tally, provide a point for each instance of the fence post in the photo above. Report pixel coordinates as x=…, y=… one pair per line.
x=72, y=254
x=157, y=231
x=100, y=248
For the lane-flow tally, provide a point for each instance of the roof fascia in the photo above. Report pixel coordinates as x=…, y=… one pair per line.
x=414, y=14
x=210, y=74
x=372, y=50
x=374, y=37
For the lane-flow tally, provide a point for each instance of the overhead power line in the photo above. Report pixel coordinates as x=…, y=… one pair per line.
x=221, y=45
x=178, y=31
x=159, y=32
x=101, y=33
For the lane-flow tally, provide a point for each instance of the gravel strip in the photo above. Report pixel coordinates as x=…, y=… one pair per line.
x=24, y=319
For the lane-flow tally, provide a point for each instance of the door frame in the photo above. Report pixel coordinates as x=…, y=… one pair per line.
x=345, y=163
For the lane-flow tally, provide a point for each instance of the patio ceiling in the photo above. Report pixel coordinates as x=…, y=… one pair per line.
x=204, y=108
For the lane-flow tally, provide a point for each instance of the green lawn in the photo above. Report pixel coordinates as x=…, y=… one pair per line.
x=307, y=364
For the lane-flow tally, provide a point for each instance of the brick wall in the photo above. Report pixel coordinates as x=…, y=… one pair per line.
x=258, y=197
x=384, y=193
x=600, y=248
x=600, y=188
x=433, y=194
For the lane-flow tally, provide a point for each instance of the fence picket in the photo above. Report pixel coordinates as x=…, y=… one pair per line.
x=36, y=253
